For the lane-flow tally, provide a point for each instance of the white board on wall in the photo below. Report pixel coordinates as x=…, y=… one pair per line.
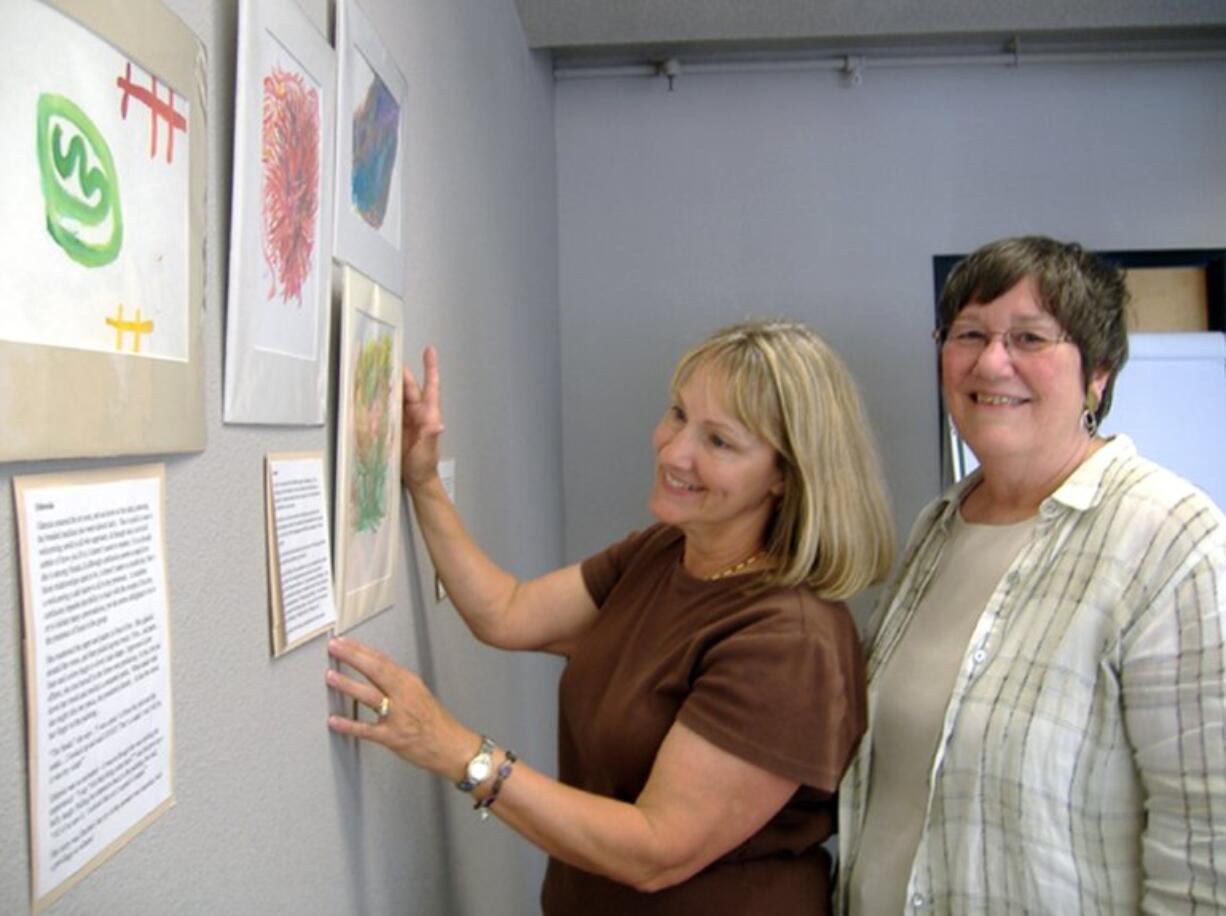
x=1170, y=399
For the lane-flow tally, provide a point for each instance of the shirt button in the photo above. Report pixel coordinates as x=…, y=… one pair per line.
x=979, y=656
x=919, y=901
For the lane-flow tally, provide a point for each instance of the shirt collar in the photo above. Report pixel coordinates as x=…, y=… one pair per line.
x=1082, y=490
x=1084, y=487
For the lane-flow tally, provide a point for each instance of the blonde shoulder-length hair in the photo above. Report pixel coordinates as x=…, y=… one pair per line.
x=832, y=529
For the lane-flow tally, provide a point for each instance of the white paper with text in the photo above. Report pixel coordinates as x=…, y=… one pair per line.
x=302, y=556
x=98, y=665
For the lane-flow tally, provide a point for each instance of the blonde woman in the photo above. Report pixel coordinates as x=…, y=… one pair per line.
x=714, y=688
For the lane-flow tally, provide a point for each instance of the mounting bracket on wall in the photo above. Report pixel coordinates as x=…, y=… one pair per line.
x=853, y=69
x=670, y=69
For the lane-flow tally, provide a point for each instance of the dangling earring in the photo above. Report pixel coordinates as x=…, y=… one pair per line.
x=1089, y=414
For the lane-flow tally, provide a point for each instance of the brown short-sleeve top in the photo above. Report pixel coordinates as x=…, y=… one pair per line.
x=774, y=677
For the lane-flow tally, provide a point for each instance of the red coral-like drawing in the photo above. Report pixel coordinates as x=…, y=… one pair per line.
x=290, y=158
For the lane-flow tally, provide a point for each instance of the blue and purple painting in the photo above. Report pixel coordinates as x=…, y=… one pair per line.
x=376, y=124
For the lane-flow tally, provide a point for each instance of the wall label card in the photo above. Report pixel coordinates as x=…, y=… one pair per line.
x=97, y=654
x=299, y=554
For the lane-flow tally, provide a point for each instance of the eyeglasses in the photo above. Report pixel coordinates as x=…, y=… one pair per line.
x=968, y=339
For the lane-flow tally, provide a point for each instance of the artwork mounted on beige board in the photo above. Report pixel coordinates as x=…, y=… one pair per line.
x=101, y=234
x=277, y=306
x=367, y=516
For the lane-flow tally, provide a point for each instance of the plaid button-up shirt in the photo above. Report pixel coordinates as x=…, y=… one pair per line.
x=1081, y=764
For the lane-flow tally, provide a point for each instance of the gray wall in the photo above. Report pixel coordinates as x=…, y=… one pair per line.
x=794, y=194
x=671, y=213
x=272, y=814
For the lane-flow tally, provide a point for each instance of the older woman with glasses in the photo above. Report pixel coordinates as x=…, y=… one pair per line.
x=1046, y=695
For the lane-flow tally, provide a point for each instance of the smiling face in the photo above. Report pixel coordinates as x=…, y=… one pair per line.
x=1017, y=406
x=715, y=479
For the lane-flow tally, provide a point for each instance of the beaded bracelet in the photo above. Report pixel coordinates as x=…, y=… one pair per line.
x=504, y=773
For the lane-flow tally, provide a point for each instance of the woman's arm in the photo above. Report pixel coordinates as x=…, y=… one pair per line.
x=699, y=802
x=500, y=610
x=1174, y=699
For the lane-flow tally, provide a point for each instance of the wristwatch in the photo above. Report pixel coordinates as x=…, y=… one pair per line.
x=479, y=768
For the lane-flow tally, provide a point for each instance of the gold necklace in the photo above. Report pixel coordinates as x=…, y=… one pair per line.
x=735, y=567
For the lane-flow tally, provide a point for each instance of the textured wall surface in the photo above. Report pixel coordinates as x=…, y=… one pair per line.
x=272, y=814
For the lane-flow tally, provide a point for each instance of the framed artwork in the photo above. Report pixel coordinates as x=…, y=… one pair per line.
x=101, y=236
x=367, y=516
x=1177, y=292
x=369, y=152
x=277, y=313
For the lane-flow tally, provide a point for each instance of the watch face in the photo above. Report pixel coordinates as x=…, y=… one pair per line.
x=479, y=767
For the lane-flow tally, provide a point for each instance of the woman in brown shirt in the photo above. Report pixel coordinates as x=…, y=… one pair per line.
x=714, y=689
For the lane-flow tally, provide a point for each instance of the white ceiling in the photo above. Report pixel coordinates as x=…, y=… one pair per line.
x=577, y=29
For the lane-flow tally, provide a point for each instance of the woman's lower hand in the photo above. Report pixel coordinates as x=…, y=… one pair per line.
x=410, y=721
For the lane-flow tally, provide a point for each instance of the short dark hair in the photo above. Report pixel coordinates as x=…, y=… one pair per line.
x=1084, y=293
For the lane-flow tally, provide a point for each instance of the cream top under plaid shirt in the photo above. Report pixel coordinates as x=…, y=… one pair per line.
x=1081, y=766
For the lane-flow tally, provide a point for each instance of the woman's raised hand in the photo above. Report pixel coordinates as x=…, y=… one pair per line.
x=422, y=423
